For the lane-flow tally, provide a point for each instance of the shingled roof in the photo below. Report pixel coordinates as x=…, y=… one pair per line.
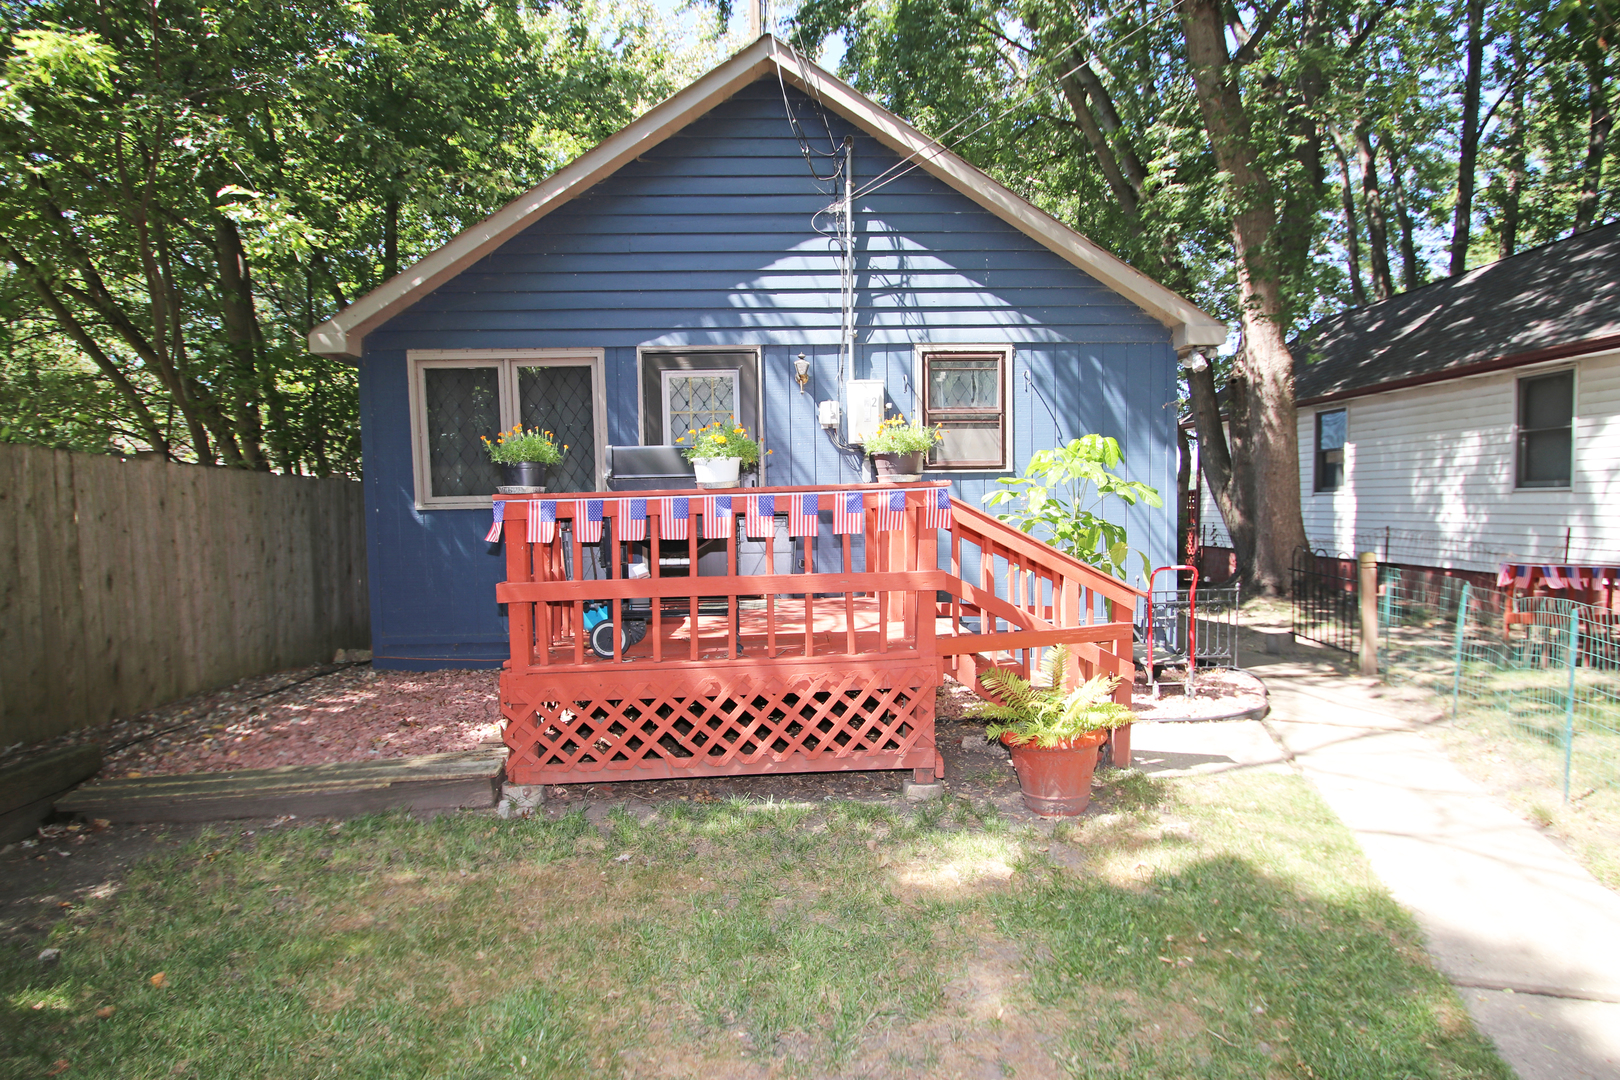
x=1559, y=299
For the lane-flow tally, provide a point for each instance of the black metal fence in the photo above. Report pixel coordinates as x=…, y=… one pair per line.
x=1325, y=607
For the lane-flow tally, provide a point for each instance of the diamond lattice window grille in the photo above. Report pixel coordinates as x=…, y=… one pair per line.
x=557, y=398
x=462, y=405
x=696, y=401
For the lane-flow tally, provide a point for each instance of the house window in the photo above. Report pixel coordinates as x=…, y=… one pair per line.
x=965, y=394
x=696, y=399
x=1546, y=435
x=1331, y=428
x=459, y=398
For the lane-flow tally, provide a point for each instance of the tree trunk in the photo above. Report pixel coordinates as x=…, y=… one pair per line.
x=1411, y=272
x=241, y=336
x=1215, y=460
x=1468, y=149
x=390, y=236
x=1264, y=427
x=1352, y=231
x=1372, y=202
x=1599, y=126
x=1508, y=236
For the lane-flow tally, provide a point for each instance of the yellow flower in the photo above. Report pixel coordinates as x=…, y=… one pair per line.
x=681, y=439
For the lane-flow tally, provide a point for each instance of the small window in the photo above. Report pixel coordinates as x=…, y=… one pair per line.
x=458, y=399
x=1331, y=428
x=696, y=399
x=965, y=394
x=1546, y=435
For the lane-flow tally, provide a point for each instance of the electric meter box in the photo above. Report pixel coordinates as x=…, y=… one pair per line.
x=866, y=399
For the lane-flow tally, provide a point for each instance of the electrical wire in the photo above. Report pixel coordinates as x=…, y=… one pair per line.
x=883, y=179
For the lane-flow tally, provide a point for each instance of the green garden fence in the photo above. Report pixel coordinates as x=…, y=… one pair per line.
x=1543, y=675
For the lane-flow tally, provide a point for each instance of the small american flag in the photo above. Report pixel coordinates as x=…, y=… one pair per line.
x=632, y=519
x=804, y=515
x=847, y=512
x=674, y=517
x=937, y=509
x=761, y=516
x=1522, y=576
x=1504, y=575
x=588, y=520
x=717, y=517
x=494, y=535
x=542, y=521
x=891, y=515
x=1555, y=576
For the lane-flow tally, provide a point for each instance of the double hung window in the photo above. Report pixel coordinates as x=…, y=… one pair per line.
x=1546, y=443
x=1332, y=427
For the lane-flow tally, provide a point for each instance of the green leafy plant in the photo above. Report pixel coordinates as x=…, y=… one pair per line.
x=1061, y=492
x=519, y=445
x=1045, y=715
x=719, y=440
x=895, y=436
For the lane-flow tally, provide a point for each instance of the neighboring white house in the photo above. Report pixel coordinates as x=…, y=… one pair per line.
x=1470, y=422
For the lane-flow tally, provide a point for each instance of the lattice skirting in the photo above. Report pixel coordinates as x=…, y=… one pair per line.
x=736, y=723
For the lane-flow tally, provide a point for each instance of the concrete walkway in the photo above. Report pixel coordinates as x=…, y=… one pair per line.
x=1529, y=938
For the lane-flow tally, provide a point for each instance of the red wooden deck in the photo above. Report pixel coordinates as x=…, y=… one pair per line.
x=814, y=670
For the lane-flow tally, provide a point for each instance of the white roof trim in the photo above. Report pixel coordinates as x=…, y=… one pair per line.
x=344, y=334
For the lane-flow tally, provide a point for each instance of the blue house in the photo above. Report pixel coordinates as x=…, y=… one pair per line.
x=764, y=242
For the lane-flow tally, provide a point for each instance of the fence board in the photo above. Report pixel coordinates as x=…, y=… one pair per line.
x=124, y=584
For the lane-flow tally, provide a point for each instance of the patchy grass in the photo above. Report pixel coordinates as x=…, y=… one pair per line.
x=1220, y=927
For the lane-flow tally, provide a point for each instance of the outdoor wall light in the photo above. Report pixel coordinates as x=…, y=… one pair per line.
x=801, y=372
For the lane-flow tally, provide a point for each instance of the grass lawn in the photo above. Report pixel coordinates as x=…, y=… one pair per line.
x=1217, y=927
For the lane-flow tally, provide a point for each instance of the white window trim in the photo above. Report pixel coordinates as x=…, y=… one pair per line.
x=919, y=388
x=1574, y=425
x=507, y=361
x=668, y=375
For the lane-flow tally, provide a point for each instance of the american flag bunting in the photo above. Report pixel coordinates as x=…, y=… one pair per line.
x=847, y=509
x=1504, y=575
x=761, y=516
x=804, y=515
x=1553, y=576
x=718, y=520
x=542, y=521
x=494, y=535
x=937, y=509
x=588, y=520
x=632, y=519
x=891, y=515
x=674, y=517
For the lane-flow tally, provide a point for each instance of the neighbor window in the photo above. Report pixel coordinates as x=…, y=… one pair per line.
x=1330, y=432
x=964, y=393
x=1546, y=435
x=457, y=399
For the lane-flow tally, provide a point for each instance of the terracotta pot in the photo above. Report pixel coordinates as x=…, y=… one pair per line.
x=527, y=474
x=1056, y=780
x=899, y=468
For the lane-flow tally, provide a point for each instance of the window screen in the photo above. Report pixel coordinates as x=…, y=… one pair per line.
x=964, y=397
x=462, y=404
x=1331, y=428
x=1546, y=438
x=557, y=398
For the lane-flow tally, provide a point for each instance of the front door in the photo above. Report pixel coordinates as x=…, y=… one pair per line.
x=682, y=391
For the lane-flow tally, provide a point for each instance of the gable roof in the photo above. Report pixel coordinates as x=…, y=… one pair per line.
x=344, y=333
x=1560, y=299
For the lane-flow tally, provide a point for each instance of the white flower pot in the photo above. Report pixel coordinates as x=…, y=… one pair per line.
x=717, y=471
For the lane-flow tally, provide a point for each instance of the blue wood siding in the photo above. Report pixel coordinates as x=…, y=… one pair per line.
x=706, y=240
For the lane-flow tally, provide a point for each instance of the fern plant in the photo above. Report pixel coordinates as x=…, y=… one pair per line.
x=1045, y=715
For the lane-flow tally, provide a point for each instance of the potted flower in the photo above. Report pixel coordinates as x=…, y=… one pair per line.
x=718, y=451
x=524, y=455
x=898, y=449
x=1053, y=735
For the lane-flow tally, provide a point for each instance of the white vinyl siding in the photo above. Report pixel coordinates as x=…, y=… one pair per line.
x=1435, y=465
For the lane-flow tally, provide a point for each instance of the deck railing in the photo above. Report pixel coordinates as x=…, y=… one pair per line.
x=869, y=634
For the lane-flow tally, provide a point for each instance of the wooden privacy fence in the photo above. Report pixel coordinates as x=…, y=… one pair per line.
x=124, y=584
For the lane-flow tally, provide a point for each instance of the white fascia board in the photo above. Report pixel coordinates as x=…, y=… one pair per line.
x=344, y=333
